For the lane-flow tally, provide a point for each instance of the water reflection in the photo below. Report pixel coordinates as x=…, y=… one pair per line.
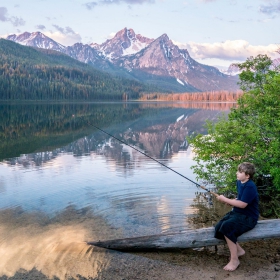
x=208, y=210
x=160, y=135
x=217, y=106
x=25, y=128
x=62, y=181
x=55, y=246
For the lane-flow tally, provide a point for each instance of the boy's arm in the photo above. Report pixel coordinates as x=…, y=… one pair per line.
x=232, y=202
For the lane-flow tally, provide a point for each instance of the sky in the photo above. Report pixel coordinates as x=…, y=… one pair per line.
x=215, y=32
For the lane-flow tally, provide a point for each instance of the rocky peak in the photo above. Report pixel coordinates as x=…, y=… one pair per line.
x=134, y=55
x=36, y=39
x=94, y=45
x=163, y=37
x=165, y=59
x=126, y=34
x=38, y=34
x=125, y=42
x=157, y=55
x=20, y=38
x=87, y=54
x=233, y=70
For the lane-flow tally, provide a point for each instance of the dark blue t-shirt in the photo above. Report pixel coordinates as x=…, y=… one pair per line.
x=248, y=193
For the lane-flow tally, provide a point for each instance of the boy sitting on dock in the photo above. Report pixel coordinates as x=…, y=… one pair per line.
x=243, y=216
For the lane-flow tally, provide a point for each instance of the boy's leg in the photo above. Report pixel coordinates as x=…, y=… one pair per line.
x=218, y=234
x=240, y=250
x=234, y=261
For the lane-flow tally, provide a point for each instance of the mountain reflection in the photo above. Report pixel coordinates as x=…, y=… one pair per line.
x=26, y=128
x=159, y=134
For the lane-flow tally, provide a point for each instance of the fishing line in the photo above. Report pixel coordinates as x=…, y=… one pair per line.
x=198, y=185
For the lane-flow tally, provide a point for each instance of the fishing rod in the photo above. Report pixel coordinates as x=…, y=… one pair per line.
x=198, y=185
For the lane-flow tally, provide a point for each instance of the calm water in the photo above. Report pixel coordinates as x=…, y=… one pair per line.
x=63, y=181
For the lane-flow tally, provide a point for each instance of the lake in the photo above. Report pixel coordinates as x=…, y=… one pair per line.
x=65, y=178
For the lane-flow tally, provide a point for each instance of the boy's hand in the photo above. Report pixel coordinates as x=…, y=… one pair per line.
x=222, y=198
x=232, y=202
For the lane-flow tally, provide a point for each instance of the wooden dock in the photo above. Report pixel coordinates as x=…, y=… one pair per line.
x=265, y=229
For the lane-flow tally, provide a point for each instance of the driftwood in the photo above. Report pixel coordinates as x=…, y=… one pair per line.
x=265, y=229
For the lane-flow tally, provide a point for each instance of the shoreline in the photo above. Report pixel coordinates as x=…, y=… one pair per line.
x=261, y=261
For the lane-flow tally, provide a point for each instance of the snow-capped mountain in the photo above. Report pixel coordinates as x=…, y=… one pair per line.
x=125, y=42
x=134, y=56
x=82, y=52
x=233, y=69
x=163, y=58
x=38, y=40
x=87, y=54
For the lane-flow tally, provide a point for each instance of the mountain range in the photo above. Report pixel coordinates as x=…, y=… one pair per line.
x=157, y=61
x=234, y=70
x=28, y=73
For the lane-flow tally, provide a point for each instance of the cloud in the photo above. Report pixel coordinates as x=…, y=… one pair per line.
x=3, y=12
x=51, y=18
x=225, y=19
x=65, y=36
x=92, y=5
x=14, y=20
x=126, y=1
x=17, y=21
x=231, y=2
x=66, y=30
x=228, y=50
x=111, y=35
x=271, y=8
x=40, y=27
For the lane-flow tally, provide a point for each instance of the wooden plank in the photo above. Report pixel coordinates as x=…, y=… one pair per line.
x=265, y=229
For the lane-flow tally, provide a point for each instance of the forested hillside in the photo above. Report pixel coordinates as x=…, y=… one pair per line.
x=27, y=73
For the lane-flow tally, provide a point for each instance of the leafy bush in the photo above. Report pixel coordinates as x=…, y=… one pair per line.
x=251, y=132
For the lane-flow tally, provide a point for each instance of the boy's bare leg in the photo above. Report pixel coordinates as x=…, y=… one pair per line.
x=234, y=261
x=240, y=250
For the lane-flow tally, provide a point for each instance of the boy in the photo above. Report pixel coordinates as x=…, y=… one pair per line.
x=243, y=216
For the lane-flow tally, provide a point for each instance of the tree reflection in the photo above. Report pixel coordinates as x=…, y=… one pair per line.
x=159, y=133
x=208, y=210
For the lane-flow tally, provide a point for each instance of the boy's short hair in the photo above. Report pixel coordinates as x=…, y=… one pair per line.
x=248, y=168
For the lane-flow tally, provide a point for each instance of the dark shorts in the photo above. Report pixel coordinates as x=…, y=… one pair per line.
x=232, y=225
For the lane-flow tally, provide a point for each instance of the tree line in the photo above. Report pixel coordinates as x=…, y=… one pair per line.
x=222, y=96
x=31, y=74
x=29, y=127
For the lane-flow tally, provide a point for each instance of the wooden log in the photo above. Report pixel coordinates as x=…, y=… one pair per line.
x=196, y=238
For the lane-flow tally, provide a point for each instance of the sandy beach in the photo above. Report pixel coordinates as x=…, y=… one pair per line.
x=55, y=250
x=261, y=261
